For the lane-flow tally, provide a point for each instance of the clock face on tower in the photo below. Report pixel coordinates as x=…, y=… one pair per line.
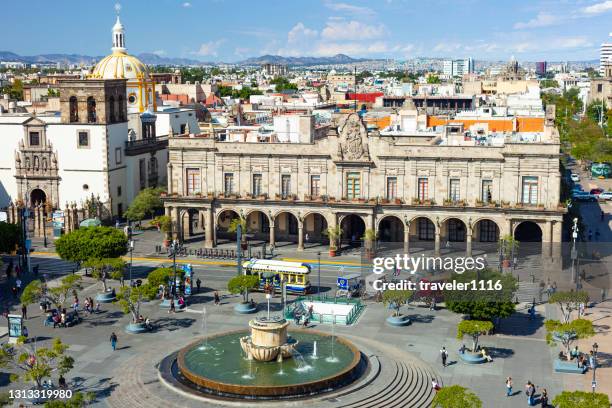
x=132, y=98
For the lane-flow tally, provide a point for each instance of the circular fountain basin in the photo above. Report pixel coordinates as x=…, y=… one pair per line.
x=218, y=366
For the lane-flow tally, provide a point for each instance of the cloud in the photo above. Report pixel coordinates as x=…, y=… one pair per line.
x=210, y=48
x=543, y=19
x=598, y=8
x=352, y=30
x=242, y=51
x=159, y=52
x=300, y=33
x=350, y=9
x=186, y=4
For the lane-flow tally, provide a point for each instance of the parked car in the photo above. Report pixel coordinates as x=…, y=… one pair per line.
x=583, y=196
x=575, y=177
x=597, y=191
x=606, y=195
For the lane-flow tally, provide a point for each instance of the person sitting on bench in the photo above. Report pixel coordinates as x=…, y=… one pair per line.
x=575, y=353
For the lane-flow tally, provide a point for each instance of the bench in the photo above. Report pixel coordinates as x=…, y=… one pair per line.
x=568, y=367
x=472, y=358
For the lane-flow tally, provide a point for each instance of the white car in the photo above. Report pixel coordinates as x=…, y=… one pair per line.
x=575, y=178
x=606, y=195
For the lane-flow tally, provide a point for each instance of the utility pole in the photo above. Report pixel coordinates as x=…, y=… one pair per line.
x=239, y=250
x=574, y=253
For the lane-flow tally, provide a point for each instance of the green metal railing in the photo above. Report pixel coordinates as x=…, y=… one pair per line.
x=327, y=318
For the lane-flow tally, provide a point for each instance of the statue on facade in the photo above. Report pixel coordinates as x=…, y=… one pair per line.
x=353, y=138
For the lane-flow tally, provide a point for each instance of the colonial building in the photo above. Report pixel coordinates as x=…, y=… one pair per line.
x=433, y=186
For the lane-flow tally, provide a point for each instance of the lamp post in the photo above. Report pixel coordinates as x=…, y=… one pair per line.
x=174, y=247
x=594, y=365
x=131, y=249
x=239, y=250
x=574, y=253
x=319, y=278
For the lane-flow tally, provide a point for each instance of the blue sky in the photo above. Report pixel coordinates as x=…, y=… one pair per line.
x=223, y=30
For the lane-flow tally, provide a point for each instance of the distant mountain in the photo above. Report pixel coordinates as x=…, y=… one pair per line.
x=147, y=58
x=154, y=59
x=303, y=61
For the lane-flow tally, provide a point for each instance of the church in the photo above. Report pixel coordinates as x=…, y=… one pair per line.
x=108, y=140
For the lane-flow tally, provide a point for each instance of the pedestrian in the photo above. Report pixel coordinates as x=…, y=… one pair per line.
x=529, y=391
x=172, y=306
x=198, y=284
x=24, y=332
x=24, y=312
x=18, y=284
x=603, y=215
x=581, y=309
x=113, y=340
x=544, y=398
x=217, y=300
x=435, y=385
x=590, y=235
x=14, y=290
x=35, y=270
x=61, y=381
x=307, y=238
x=509, y=387
x=444, y=356
x=98, y=307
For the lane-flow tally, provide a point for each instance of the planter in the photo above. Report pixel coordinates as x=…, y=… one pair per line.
x=165, y=303
x=136, y=328
x=401, y=320
x=245, y=308
x=107, y=297
x=506, y=263
x=166, y=243
x=332, y=252
x=472, y=358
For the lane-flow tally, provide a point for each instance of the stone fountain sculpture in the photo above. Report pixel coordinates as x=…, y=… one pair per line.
x=268, y=340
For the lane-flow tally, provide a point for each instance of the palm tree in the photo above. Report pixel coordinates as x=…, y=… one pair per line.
x=333, y=233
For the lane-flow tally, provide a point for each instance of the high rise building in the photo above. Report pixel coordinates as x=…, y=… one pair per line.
x=459, y=67
x=541, y=68
x=605, y=55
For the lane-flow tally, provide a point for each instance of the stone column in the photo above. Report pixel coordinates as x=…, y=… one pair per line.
x=272, y=241
x=546, y=238
x=468, y=243
x=176, y=224
x=209, y=228
x=169, y=178
x=407, y=238
x=300, y=236
x=437, y=242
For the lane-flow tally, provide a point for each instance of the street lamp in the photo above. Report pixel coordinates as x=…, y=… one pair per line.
x=319, y=282
x=593, y=363
x=574, y=253
x=174, y=248
x=131, y=249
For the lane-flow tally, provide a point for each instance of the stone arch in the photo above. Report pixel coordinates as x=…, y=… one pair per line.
x=486, y=230
x=528, y=231
x=315, y=224
x=192, y=223
x=422, y=228
x=353, y=228
x=286, y=226
x=453, y=229
x=258, y=224
x=92, y=116
x=37, y=195
x=73, y=107
x=223, y=219
x=390, y=228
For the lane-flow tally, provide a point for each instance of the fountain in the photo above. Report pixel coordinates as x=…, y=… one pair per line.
x=268, y=364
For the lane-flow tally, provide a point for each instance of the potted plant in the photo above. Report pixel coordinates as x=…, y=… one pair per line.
x=397, y=200
x=333, y=233
x=416, y=201
x=395, y=299
x=130, y=299
x=479, y=203
x=505, y=204
x=233, y=227
x=104, y=269
x=369, y=238
x=474, y=329
x=507, y=245
x=242, y=285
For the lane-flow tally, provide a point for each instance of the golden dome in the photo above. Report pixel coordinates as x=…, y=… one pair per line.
x=120, y=65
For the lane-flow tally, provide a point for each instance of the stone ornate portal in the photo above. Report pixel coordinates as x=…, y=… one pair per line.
x=353, y=138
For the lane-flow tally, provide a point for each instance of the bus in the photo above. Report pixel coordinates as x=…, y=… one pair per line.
x=295, y=274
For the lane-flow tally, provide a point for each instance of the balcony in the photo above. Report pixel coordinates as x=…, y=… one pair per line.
x=136, y=147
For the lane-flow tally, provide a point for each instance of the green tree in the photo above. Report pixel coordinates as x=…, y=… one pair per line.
x=162, y=276
x=10, y=236
x=106, y=268
x=568, y=333
x=568, y=302
x=508, y=245
x=333, y=233
x=397, y=299
x=162, y=223
x=243, y=284
x=233, y=227
x=91, y=243
x=433, y=79
x=146, y=203
x=283, y=84
x=456, y=396
x=474, y=329
x=482, y=305
x=549, y=83
x=16, y=90
x=130, y=299
x=36, y=291
x=581, y=399
x=597, y=111
x=78, y=400
x=34, y=363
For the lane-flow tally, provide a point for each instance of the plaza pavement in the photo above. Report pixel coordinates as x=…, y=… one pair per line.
x=114, y=376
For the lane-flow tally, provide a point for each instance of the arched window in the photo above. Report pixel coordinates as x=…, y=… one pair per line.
x=91, y=110
x=74, y=109
x=111, y=109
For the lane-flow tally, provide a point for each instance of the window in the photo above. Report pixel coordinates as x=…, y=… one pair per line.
x=456, y=231
x=91, y=110
x=228, y=183
x=122, y=109
x=119, y=210
x=285, y=185
x=315, y=185
x=34, y=139
x=183, y=129
x=391, y=188
x=74, y=109
x=426, y=229
x=83, y=139
x=142, y=172
x=111, y=109
x=423, y=188
x=487, y=191
x=599, y=88
x=117, y=155
x=530, y=190
x=353, y=186
x=193, y=181
x=118, y=191
x=488, y=231
x=453, y=190
x=256, y=185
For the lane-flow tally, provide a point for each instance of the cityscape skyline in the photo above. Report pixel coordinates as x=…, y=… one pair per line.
x=544, y=30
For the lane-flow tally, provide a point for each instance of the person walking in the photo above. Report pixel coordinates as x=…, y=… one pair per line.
x=198, y=283
x=544, y=398
x=435, y=385
x=18, y=285
x=509, y=387
x=444, y=356
x=172, y=306
x=24, y=312
x=529, y=391
x=217, y=300
x=113, y=341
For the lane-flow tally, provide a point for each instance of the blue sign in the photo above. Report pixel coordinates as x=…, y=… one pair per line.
x=188, y=278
